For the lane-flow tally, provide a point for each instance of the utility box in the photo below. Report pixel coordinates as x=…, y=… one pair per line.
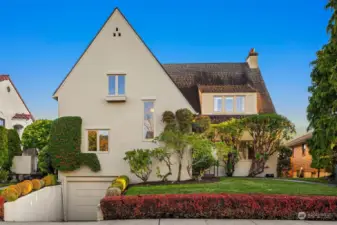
x=22, y=165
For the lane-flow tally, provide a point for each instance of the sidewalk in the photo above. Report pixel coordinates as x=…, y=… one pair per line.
x=187, y=222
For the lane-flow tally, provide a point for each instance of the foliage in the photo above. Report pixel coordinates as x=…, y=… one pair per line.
x=65, y=146
x=126, y=178
x=184, y=118
x=228, y=155
x=26, y=187
x=169, y=119
x=113, y=191
x=123, y=182
x=36, y=184
x=163, y=155
x=117, y=184
x=201, y=124
x=267, y=131
x=239, y=206
x=140, y=162
x=2, y=202
x=3, y=175
x=45, y=161
x=3, y=147
x=10, y=195
x=16, y=188
x=36, y=135
x=14, y=147
x=49, y=180
x=202, y=154
x=283, y=160
x=321, y=111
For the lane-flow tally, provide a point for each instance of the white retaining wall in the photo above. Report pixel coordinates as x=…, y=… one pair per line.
x=44, y=205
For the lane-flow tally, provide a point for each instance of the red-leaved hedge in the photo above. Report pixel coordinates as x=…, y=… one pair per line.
x=234, y=206
x=2, y=202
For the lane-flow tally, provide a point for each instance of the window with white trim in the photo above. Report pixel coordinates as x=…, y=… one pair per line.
x=98, y=140
x=240, y=103
x=217, y=104
x=148, y=121
x=229, y=104
x=2, y=122
x=117, y=85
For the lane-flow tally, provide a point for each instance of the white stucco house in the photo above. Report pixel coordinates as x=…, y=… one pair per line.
x=120, y=90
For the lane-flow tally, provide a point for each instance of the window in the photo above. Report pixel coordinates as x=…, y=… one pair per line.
x=116, y=84
x=98, y=140
x=229, y=104
x=217, y=104
x=2, y=122
x=303, y=149
x=240, y=104
x=148, y=123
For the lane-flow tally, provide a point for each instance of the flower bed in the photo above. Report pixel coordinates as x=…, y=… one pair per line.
x=233, y=206
x=2, y=202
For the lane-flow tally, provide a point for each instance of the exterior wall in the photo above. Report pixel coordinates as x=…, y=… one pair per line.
x=207, y=103
x=84, y=91
x=44, y=205
x=22, y=165
x=300, y=161
x=11, y=104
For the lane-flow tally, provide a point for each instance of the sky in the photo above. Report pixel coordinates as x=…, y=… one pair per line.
x=41, y=40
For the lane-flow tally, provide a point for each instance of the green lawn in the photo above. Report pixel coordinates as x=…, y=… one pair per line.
x=317, y=180
x=238, y=185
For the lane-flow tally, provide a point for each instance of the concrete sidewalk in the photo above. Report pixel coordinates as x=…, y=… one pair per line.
x=187, y=222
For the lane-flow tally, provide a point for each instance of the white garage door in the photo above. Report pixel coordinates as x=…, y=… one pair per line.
x=83, y=198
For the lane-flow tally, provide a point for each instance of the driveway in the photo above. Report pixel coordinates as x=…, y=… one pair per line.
x=187, y=222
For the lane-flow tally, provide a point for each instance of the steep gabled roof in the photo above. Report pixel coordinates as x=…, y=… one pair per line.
x=233, y=77
x=4, y=77
x=299, y=140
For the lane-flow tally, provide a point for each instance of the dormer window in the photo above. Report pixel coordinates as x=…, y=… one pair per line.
x=229, y=104
x=240, y=104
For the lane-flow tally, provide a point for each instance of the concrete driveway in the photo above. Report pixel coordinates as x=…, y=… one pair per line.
x=187, y=222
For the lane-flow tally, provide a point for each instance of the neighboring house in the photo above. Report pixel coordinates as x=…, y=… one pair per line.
x=120, y=90
x=301, y=158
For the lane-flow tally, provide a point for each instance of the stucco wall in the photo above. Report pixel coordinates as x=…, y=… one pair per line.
x=11, y=104
x=207, y=105
x=84, y=91
x=22, y=165
x=44, y=205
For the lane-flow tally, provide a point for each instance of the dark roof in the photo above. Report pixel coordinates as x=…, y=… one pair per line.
x=300, y=140
x=225, y=88
x=188, y=77
x=6, y=77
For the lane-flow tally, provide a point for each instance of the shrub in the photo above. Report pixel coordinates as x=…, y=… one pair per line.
x=10, y=194
x=140, y=162
x=49, y=180
x=113, y=191
x=36, y=135
x=26, y=187
x=91, y=160
x=117, y=184
x=123, y=182
x=2, y=202
x=3, y=147
x=3, y=175
x=36, y=184
x=14, y=147
x=44, y=161
x=17, y=188
x=126, y=178
x=42, y=183
x=233, y=206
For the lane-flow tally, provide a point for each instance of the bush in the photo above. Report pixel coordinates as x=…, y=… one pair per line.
x=49, y=180
x=10, y=194
x=126, y=178
x=36, y=184
x=113, y=191
x=44, y=161
x=16, y=188
x=234, y=206
x=14, y=147
x=3, y=147
x=2, y=202
x=90, y=160
x=140, y=162
x=117, y=184
x=3, y=175
x=26, y=187
x=36, y=135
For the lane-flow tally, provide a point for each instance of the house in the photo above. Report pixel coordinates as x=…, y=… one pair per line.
x=14, y=114
x=301, y=158
x=120, y=90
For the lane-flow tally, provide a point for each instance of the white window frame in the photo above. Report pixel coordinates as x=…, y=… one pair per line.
x=225, y=104
x=98, y=151
x=244, y=104
x=234, y=105
x=116, y=84
x=154, y=119
x=222, y=103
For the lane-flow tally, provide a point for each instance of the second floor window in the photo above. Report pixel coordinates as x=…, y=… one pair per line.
x=240, y=104
x=116, y=84
x=303, y=149
x=229, y=101
x=229, y=104
x=2, y=122
x=217, y=104
x=98, y=140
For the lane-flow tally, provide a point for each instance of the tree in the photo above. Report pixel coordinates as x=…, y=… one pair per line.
x=45, y=161
x=163, y=155
x=267, y=131
x=36, y=135
x=3, y=147
x=322, y=108
x=283, y=160
x=140, y=162
x=14, y=147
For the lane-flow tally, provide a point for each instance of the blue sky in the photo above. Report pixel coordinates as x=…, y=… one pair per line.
x=41, y=40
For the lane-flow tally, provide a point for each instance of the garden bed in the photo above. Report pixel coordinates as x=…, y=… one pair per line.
x=232, y=206
x=203, y=181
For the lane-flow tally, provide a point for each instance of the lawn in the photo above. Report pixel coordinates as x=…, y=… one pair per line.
x=238, y=185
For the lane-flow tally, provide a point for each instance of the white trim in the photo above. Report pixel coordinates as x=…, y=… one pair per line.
x=115, y=98
x=149, y=98
x=117, y=75
x=97, y=141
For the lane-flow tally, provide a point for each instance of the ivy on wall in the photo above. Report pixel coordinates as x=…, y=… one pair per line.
x=65, y=146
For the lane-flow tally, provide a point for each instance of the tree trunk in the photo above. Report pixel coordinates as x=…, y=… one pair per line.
x=257, y=167
x=179, y=169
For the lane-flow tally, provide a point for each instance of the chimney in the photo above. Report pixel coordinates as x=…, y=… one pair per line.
x=252, y=59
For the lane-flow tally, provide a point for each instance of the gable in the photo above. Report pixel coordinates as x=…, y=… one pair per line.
x=118, y=49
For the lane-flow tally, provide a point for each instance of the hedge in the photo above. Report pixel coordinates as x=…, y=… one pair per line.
x=65, y=146
x=14, y=147
x=232, y=206
x=2, y=202
x=3, y=146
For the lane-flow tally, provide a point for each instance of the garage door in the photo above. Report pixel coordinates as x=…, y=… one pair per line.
x=83, y=198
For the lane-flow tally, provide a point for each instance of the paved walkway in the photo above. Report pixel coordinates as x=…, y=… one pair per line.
x=187, y=222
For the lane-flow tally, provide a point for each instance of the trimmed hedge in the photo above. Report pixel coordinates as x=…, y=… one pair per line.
x=3, y=146
x=65, y=146
x=14, y=147
x=2, y=202
x=233, y=206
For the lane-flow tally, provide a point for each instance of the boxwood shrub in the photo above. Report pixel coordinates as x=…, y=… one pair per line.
x=14, y=148
x=65, y=146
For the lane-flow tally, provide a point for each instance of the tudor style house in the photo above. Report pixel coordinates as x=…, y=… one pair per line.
x=120, y=90
x=14, y=113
